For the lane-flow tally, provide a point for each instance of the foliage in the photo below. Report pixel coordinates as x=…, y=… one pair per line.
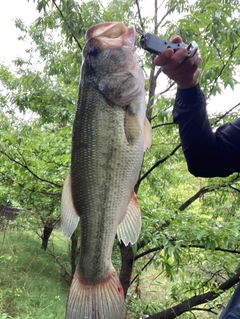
x=189, y=239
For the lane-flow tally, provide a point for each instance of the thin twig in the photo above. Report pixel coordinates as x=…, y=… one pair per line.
x=167, y=13
x=139, y=15
x=30, y=171
x=145, y=266
x=226, y=113
x=158, y=163
x=167, y=89
x=163, y=124
x=222, y=69
x=61, y=14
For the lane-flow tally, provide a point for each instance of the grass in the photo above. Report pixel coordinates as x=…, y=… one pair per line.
x=31, y=281
x=32, y=284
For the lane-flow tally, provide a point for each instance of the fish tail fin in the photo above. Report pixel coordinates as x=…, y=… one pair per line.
x=104, y=300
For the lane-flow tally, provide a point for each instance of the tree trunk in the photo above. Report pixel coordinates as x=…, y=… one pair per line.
x=127, y=256
x=47, y=230
x=74, y=252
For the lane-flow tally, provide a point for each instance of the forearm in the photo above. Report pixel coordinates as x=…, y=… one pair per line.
x=201, y=146
x=208, y=154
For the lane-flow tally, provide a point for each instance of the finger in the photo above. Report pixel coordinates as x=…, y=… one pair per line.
x=190, y=63
x=180, y=64
x=182, y=74
x=164, y=57
x=175, y=39
x=190, y=76
x=176, y=60
x=198, y=61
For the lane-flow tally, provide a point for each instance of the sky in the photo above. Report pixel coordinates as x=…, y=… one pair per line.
x=11, y=10
x=11, y=47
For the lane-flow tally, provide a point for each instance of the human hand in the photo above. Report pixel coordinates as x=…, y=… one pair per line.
x=185, y=72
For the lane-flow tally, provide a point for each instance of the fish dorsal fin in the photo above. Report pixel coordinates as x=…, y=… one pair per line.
x=147, y=134
x=129, y=229
x=69, y=216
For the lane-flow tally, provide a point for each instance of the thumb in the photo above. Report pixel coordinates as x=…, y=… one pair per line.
x=176, y=39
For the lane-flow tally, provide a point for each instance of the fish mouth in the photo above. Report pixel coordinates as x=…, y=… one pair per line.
x=112, y=34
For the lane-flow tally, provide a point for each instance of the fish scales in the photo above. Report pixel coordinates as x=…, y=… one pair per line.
x=102, y=184
x=108, y=143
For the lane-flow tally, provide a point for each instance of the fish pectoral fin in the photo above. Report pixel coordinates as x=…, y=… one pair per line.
x=129, y=229
x=147, y=134
x=132, y=126
x=69, y=216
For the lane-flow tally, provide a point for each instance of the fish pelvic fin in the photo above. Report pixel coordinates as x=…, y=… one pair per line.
x=69, y=216
x=129, y=229
x=104, y=300
x=147, y=134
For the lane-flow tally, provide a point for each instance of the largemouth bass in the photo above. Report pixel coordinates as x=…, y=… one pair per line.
x=110, y=135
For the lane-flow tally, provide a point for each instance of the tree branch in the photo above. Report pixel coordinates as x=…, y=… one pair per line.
x=168, y=12
x=139, y=15
x=232, y=251
x=61, y=14
x=198, y=194
x=30, y=171
x=145, y=266
x=159, y=71
x=163, y=124
x=234, y=188
x=167, y=89
x=204, y=190
x=191, y=303
x=222, y=69
x=205, y=309
x=157, y=249
x=226, y=113
x=158, y=163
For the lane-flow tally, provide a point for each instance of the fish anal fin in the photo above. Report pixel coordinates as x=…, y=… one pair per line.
x=69, y=216
x=129, y=229
x=147, y=134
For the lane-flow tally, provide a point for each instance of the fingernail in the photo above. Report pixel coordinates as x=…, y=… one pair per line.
x=173, y=37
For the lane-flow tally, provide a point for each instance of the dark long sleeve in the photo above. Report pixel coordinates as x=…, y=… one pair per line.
x=232, y=311
x=208, y=153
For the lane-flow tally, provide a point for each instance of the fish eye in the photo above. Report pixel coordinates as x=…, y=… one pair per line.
x=94, y=51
